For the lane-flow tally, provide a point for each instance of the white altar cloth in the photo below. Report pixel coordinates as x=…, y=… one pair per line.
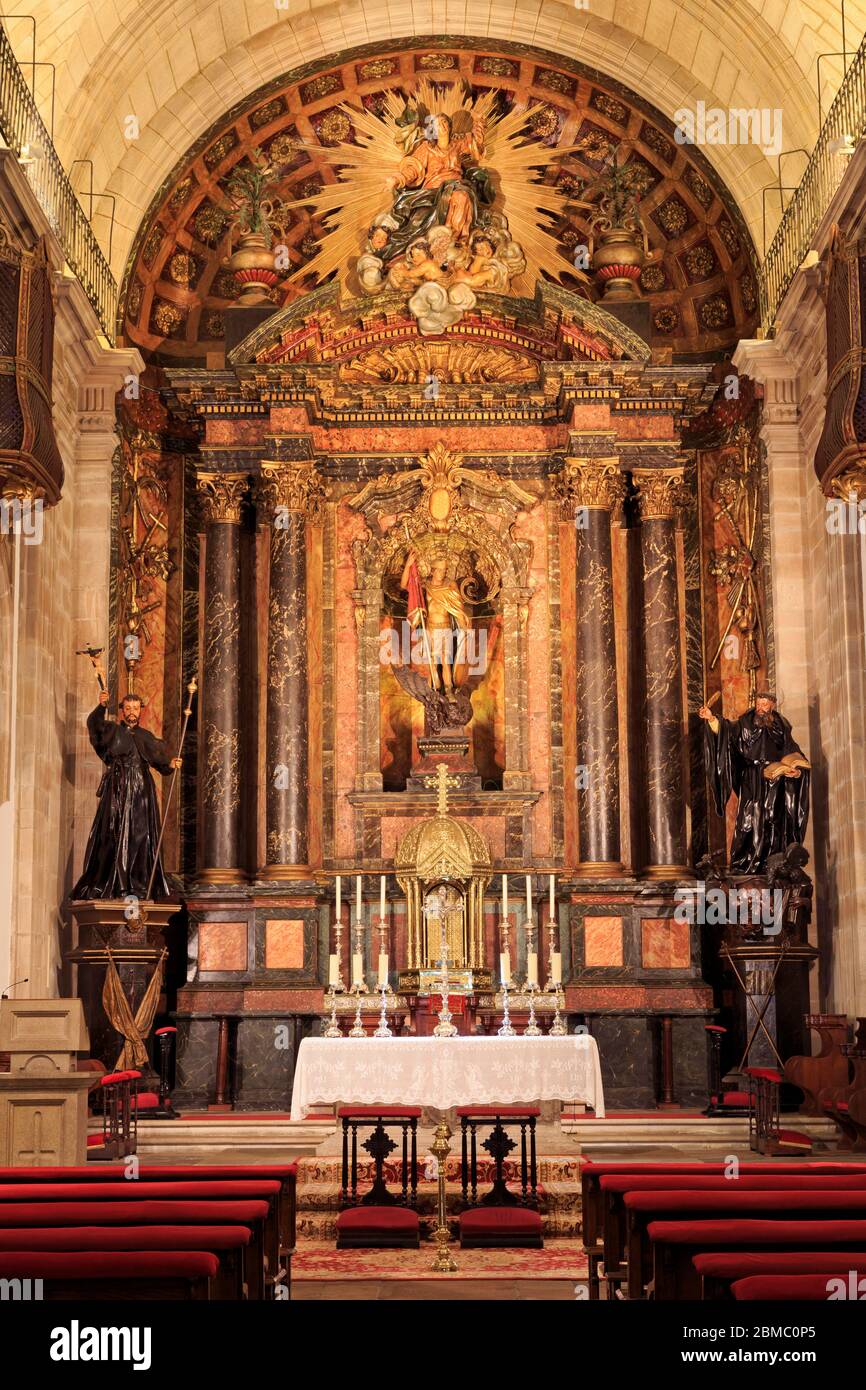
x=446, y=1072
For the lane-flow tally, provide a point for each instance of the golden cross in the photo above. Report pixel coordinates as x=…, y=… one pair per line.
x=442, y=790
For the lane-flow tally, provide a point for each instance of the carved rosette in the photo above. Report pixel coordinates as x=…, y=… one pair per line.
x=222, y=496
x=290, y=487
x=593, y=484
x=661, y=493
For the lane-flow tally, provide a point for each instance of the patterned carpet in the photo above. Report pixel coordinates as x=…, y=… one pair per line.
x=316, y=1260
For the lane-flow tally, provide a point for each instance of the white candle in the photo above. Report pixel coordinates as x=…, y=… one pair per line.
x=532, y=968
x=339, y=897
x=529, y=897
x=333, y=969
x=504, y=896
x=556, y=967
x=383, y=969
x=505, y=967
x=359, y=907
x=552, y=897
x=382, y=896
x=357, y=968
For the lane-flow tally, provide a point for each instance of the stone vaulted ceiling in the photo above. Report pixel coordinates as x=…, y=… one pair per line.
x=700, y=278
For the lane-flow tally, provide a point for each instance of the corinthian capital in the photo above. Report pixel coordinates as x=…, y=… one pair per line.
x=661, y=492
x=595, y=483
x=222, y=495
x=290, y=487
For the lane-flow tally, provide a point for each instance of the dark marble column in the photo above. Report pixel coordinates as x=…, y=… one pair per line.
x=660, y=497
x=288, y=496
x=219, y=766
x=592, y=491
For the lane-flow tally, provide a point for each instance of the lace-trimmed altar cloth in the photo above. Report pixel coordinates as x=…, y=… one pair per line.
x=446, y=1072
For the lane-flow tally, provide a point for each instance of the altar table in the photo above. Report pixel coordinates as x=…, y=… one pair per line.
x=447, y=1072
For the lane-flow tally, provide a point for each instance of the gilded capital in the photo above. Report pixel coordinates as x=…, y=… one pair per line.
x=290, y=487
x=594, y=483
x=661, y=493
x=222, y=495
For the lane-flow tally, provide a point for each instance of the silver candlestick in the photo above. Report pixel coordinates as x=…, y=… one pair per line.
x=557, y=1028
x=444, y=1028
x=383, y=1031
x=333, y=1028
x=532, y=1029
x=505, y=1030
x=357, y=1028
x=550, y=985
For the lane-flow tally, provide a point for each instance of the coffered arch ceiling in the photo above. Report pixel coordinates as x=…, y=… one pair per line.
x=177, y=65
x=700, y=279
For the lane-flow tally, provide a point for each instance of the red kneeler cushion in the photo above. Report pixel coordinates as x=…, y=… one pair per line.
x=499, y=1228
x=602, y=1166
x=785, y=1204
x=89, y=1264
x=506, y=1111
x=378, y=1228
x=799, y=1288
x=127, y=1238
x=377, y=1219
x=747, y=1182
x=387, y=1112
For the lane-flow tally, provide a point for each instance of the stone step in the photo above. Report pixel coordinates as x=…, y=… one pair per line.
x=699, y=1132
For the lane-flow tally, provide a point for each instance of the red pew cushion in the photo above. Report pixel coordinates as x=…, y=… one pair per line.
x=99, y=1264
x=161, y=1172
x=377, y=1219
x=147, y=1213
x=747, y=1182
x=126, y=1238
x=133, y=1191
x=504, y=1110
x=742, y=1264
x=797, y=1234
x=601, y=1166
x=516, y=1221
x=799, y=1287
x=741, y=1203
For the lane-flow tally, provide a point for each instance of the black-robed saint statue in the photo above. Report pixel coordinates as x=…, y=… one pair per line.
x=123, y=839
x=756, y=758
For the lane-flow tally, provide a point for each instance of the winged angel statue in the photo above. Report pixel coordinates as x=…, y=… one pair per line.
x=420, y=203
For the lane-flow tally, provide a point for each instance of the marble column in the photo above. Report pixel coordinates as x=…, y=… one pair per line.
x=289, y=494
x=660, y=497
x=592, y=491
x=219, y=765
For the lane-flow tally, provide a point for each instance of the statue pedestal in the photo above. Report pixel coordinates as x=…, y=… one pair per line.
x=43, y=1099
x=136, y=945
x=451, y=750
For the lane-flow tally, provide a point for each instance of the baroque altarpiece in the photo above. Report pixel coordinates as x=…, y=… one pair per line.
x=574, y=488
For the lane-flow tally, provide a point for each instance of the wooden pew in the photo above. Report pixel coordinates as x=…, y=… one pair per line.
x=592, y=1205
x=73, y=1276
x=228, y=1243
x=676, y=1244
x=646, y=1207
x=615, y=1189
x=136, y=1212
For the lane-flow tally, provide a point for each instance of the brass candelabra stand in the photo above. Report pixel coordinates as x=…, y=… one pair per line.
x=444, y=1262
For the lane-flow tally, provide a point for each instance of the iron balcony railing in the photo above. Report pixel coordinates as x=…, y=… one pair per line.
x=821, y=179
x=22, y=128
